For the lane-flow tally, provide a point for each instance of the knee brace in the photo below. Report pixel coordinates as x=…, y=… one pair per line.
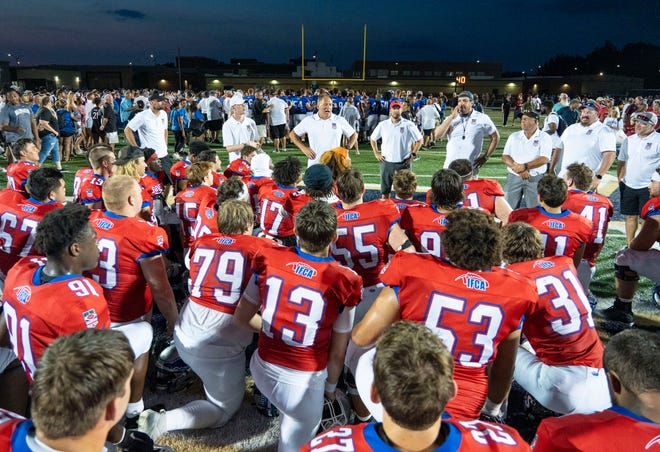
x=624, y=273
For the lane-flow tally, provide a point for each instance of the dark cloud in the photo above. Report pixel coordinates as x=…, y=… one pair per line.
x=123, y=14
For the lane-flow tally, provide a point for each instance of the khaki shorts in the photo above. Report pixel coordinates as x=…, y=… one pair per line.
x=113, y=137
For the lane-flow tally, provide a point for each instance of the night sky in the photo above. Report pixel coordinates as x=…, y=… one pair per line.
x=520, y=35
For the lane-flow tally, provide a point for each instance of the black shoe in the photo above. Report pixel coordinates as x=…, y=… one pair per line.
x=619, y=312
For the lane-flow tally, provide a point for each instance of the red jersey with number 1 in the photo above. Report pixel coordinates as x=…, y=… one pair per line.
x=561, y=329
x=187, y=204
x=123, y=242
x=301, y=298
x=17, y=174
x=424, y=224
x=471, y=311
x=42, y=312
x=479, y=194
x=599, y=210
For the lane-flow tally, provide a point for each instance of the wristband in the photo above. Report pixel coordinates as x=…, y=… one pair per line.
x=598, y=176
x=526, y=167
x=330, y=387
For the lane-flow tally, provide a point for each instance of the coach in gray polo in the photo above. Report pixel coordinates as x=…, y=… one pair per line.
x=400, y=142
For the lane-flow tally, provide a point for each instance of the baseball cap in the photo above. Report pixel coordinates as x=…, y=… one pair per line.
x=156, y=95
x=531, y=114
x=318, y=177
x=128, y=153
x=236, y=99
x=612, y=123
x=590, y=104
x=467, y=94
x=260, y=165
x=646, y=117
x=396, y=103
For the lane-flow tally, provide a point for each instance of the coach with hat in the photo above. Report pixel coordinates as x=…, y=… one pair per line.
x=466, y=129
x=526, y=154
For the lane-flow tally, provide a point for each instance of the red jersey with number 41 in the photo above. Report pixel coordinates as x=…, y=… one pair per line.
x=471, y=311
x=301, y=298
x=599, y=210
x=38, y=313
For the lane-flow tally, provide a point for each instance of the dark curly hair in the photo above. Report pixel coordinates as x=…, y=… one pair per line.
x=42, y=181
x=287, y=172
x=60, y=228
x=446, y=189
x=472, y=240
x=552, y=190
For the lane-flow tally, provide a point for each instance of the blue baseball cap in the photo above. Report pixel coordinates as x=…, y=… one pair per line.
x=590, y=104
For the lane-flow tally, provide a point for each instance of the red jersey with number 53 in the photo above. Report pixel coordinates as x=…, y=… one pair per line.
x=599, y=210
x=301, y=298
x=38, y=313
x=362, y=232
x=424, y=224
x=463, y=436
x=19, y=217
x=561, y=329
x=220, y=269
x=562, y=233
x=123, y=243
x=275, y=220
x=187, y=204
x=471, y=311
x=479, y=194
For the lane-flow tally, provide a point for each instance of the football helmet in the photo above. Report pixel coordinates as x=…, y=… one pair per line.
x=335, y=411
x=172, y=374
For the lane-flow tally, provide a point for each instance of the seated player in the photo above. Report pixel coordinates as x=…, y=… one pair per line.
x=404, y=184
x=563, y=232
x=179, y=174
x=594, y=207
x=131, y=162
x=153, y=183
x=20, y=215
x=241, y=166
x=209, y=155
x=412, y=370
x=318, y=185
x=425, y=223
x=207, y=218
x=307, y=304
x=474, y=308
x=28, y=160
x=205, y=336
x=131, y=271
x=633, y=423
x=89, y=190
x=262, y=170
x=562, y=364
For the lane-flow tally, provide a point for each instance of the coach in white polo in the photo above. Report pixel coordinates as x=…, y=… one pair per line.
x=401, y=139
x=466, y=129
x=589, y=141
x=324, y=131
x=238, y=130
x=526, y=155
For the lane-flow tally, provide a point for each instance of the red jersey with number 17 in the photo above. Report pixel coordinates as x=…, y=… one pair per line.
x=471, y=311
x=275, y=220
x=561, y=329
x=599, y=210
x=42, y=312
x=301, y=298
x=424, y=224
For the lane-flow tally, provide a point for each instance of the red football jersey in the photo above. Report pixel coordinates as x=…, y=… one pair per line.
x=178, y=171
x=38, y=313
x=403, y=204
x=80, y=175
x=238, y=167
x=301, y=298
x=463, y=436
x=424, y=225
x=123, y=242
x=218, y=179
x=362, y=232
x=152, y=183
x=479, y=194
x=597, y=209
x=472, y=312
x=19, y=217
x=207, y=219
x=13, y=431
x=253, y=185
x=187, y=204
x=91, y=189
x=17, y=174
x=651, y=208
x=220, y=269
x=562, y=233
x=274, y=219
x=297, y=201
x=561, y=329
x=613, y=430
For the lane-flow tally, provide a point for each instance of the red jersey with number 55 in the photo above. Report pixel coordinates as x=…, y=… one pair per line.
x=424, y=224
x=362, y=232
x=17, y=174
x=471, y=311
x=220, y=269
x=301, y=298
x=562, y=233
x=19, y=217
x=472, y=436
x=123, y=243
x=599, y=210
x=275, y=220
x=38, y=313
x=479, y=194
x=187, y=204
x=561, y=329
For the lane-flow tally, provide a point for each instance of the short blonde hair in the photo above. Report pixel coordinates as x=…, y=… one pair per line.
x=116, y=191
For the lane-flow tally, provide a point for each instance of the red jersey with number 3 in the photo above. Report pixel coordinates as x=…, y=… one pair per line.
x=17, y=174
x=471, y=311
x=424, y=224
x=220, y=269
x=123, y=243
x=19, y=217
x=463, y=436
x=91, y=189
x=275, y=220
x=301, y=298
x=561, y=329
x=362, y=232
x=187, y=203
x=479, y=194
x=599, y=210
x=562, y=233
x=38, y=313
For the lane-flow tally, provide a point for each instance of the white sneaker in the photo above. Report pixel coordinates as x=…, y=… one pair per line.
x=152, y=423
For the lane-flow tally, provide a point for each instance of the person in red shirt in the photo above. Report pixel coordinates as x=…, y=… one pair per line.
x=633, y=423
x=211, y=156
x=307, y=305
x=88, y=191
x=413, y=370
x=241, y=166
x=28, y=160
x=404, y=184
x=178, y=174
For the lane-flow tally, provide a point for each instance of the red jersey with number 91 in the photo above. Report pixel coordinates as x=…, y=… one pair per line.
x=38, y=313
x=471, y=311
x=599, y=210
x=302, y=297
x=424, y=224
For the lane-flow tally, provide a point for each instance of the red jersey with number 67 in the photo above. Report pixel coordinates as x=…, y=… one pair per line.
x=424, y=224
x=123, y=243
x=561, y=329
x=38, y=313
x=479, y=194
x=301, y=298
x=463, y=436
x=599, y=210
x=471, y=311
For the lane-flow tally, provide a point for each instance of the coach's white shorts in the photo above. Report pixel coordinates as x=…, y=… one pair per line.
x=139, y=334
x=261, y=130
x=6, y=358
x=646, y=263
x=564, y=389
x=113, y=137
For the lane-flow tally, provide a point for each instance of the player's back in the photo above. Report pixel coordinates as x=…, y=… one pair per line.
x=17, y=174
x=187, y=204
x=651, y=208
x=479, y=194
x=254, y=185
x=207, y=219
x=561, y=329
x=80, y=175
x=179, y=171
x=403, y=204
x=91, y=189
x=424, y=224
x=13, y=432
x=297, y=201
x=596, y=208
x=274, y=219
